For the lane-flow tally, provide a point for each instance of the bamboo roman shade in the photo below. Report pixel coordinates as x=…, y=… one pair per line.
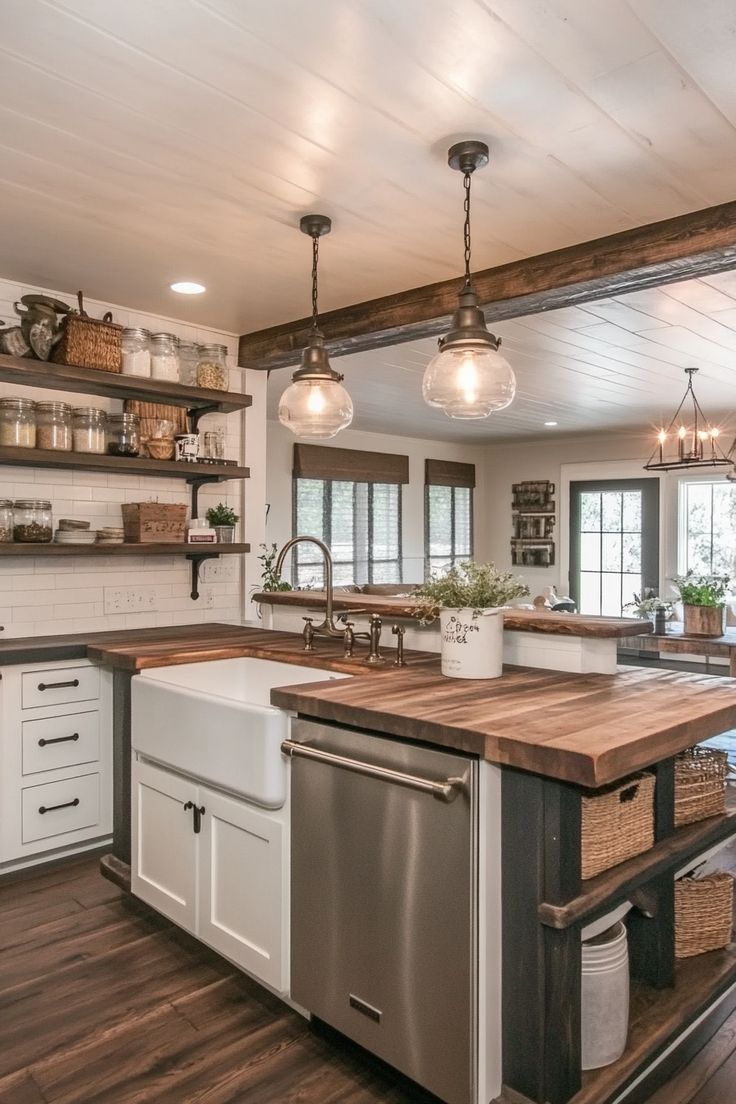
x=352, y=465
x=448, y=473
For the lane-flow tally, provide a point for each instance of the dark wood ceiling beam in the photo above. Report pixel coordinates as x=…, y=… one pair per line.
x=697, y=244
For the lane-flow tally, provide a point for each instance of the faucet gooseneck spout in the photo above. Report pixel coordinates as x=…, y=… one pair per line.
x=328, y=625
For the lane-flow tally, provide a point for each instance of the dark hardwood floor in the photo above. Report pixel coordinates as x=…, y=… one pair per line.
x=103, y=1002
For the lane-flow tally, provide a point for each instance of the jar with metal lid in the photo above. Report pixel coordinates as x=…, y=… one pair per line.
x=123, y=435
x=165, y=357
x=88, y=429
x=18, y=423
x=6, y=521
x=188, y=361
x=136, y=352
x=54, y=426
x=212, y=371
x=32, y=521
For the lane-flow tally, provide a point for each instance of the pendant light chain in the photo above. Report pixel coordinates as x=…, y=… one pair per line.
x=466, y=227
x=315, y=264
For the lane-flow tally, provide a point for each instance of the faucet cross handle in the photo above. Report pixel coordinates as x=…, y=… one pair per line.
x=374, y=636
x=308, y=634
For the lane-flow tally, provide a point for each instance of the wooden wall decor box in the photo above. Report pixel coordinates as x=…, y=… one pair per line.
x=533, y=515
x=700, y=784
x=617, y=823
x=154, y=522
x=703, y=914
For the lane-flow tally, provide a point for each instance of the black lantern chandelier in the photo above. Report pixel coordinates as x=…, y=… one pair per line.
x=468, y=377
x=693, y=445
x=315, y=404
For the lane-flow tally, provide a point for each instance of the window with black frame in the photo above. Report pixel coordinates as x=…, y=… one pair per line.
x=351, y=500
x=448, y=514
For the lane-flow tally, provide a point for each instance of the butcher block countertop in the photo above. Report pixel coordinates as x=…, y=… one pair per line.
x=536, y=621
x=589, y=729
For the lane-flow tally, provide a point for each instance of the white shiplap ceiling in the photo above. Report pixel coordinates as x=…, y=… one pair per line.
x=616, y=365
x=154, y=140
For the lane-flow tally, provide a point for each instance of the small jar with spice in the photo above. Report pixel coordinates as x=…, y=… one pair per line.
x=18, y=423
x=54, y=426
x=123, y=435
x=88, y=429
x=32, y=521
x=165, y=357
x=136, y=352
x=212, y=370
x=6, y=521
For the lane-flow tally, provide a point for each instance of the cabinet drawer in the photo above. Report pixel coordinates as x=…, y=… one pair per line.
x=63, y=741
x=57, y=808
x=58, y=686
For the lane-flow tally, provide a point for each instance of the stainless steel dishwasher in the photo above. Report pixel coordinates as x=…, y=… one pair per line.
x=383, y=891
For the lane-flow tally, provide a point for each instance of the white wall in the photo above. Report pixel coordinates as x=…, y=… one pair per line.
x=44, y=596
x=280, y=442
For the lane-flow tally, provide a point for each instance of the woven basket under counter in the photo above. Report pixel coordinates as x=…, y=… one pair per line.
x=617, y=823
x=703, y=914
x=700, y=784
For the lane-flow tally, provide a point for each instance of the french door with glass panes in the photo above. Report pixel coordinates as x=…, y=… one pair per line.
x=614, y=543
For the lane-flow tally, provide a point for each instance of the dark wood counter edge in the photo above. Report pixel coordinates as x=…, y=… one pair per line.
x=554, y=624
x=33, y=649
x=115, y=870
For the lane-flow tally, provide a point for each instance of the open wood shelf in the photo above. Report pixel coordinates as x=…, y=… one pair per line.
x=177, y=549
x=119, y=465
x=601, y=894
x=114, y=385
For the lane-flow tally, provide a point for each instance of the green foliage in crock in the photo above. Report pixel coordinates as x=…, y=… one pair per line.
x=221, y=515
x=466, y=586
x=271, y=580
x=702, y=590
x=647, y=603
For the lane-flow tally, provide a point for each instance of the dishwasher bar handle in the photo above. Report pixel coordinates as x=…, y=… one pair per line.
x=445, y=791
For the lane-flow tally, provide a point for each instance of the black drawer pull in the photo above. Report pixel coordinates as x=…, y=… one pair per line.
x=58, y=739
x=51, y=808
x=57, y=685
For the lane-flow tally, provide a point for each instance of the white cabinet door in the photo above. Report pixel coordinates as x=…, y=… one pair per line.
x=242, y=879
x=164, y=845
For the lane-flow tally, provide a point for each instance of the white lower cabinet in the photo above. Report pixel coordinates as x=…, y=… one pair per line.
x=215, y=865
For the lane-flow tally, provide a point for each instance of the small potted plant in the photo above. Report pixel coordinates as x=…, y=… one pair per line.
x=469, y=601
x=223, y=518
x=270, y=579
x=649, y=606
x=703, y=599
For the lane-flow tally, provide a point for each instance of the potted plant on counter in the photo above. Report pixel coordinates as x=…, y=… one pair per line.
x=469, y=601
x=223, y=519
x=650, y=607
x=703, y=599
x=270, y=578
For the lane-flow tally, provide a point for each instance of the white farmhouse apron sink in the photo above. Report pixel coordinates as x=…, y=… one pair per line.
x=213, y=721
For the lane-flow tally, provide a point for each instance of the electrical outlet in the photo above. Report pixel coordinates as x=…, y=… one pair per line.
x=130, y=599
x=224, y=570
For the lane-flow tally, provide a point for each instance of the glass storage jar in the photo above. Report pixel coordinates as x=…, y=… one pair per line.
x=6, y=521
x=212, y=371
x=88, y=429
x=18, y=423
x=165, y=357
x=188, y=361
x=32, y=521
x=136, y=359
x=54, y=426
x=123, y=435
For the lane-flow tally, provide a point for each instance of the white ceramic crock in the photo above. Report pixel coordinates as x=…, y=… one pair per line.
x=472, y=643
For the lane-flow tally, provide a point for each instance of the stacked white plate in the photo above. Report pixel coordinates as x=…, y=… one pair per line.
x=110, y=535
x=75, y=536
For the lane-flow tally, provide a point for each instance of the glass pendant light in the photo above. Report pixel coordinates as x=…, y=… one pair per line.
x=315, y=404
x=468, y=378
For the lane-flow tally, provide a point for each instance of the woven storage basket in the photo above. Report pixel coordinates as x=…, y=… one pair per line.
x=154, y=522
x=703, y=914
x=700, y=784
x=89, y=342
x=617, y=823
x=152, y=413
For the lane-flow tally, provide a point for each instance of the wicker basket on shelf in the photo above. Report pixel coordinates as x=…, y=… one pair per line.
x=154, y=522
x=89, y=342
x=700, y=784
x=617, y=823
x=703, y=914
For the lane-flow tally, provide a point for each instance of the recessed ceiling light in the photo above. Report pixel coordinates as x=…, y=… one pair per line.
x=550, y=423
x=188, y=287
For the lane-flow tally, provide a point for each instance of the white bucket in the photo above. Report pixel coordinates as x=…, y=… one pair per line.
x=472, y=643
x=605, y=997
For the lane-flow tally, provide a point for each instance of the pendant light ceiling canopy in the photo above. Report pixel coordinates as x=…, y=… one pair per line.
x=689, y=441
x=315, y=404
x=468, y=378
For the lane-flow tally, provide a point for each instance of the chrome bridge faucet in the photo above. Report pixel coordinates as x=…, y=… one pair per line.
x=327, y=626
